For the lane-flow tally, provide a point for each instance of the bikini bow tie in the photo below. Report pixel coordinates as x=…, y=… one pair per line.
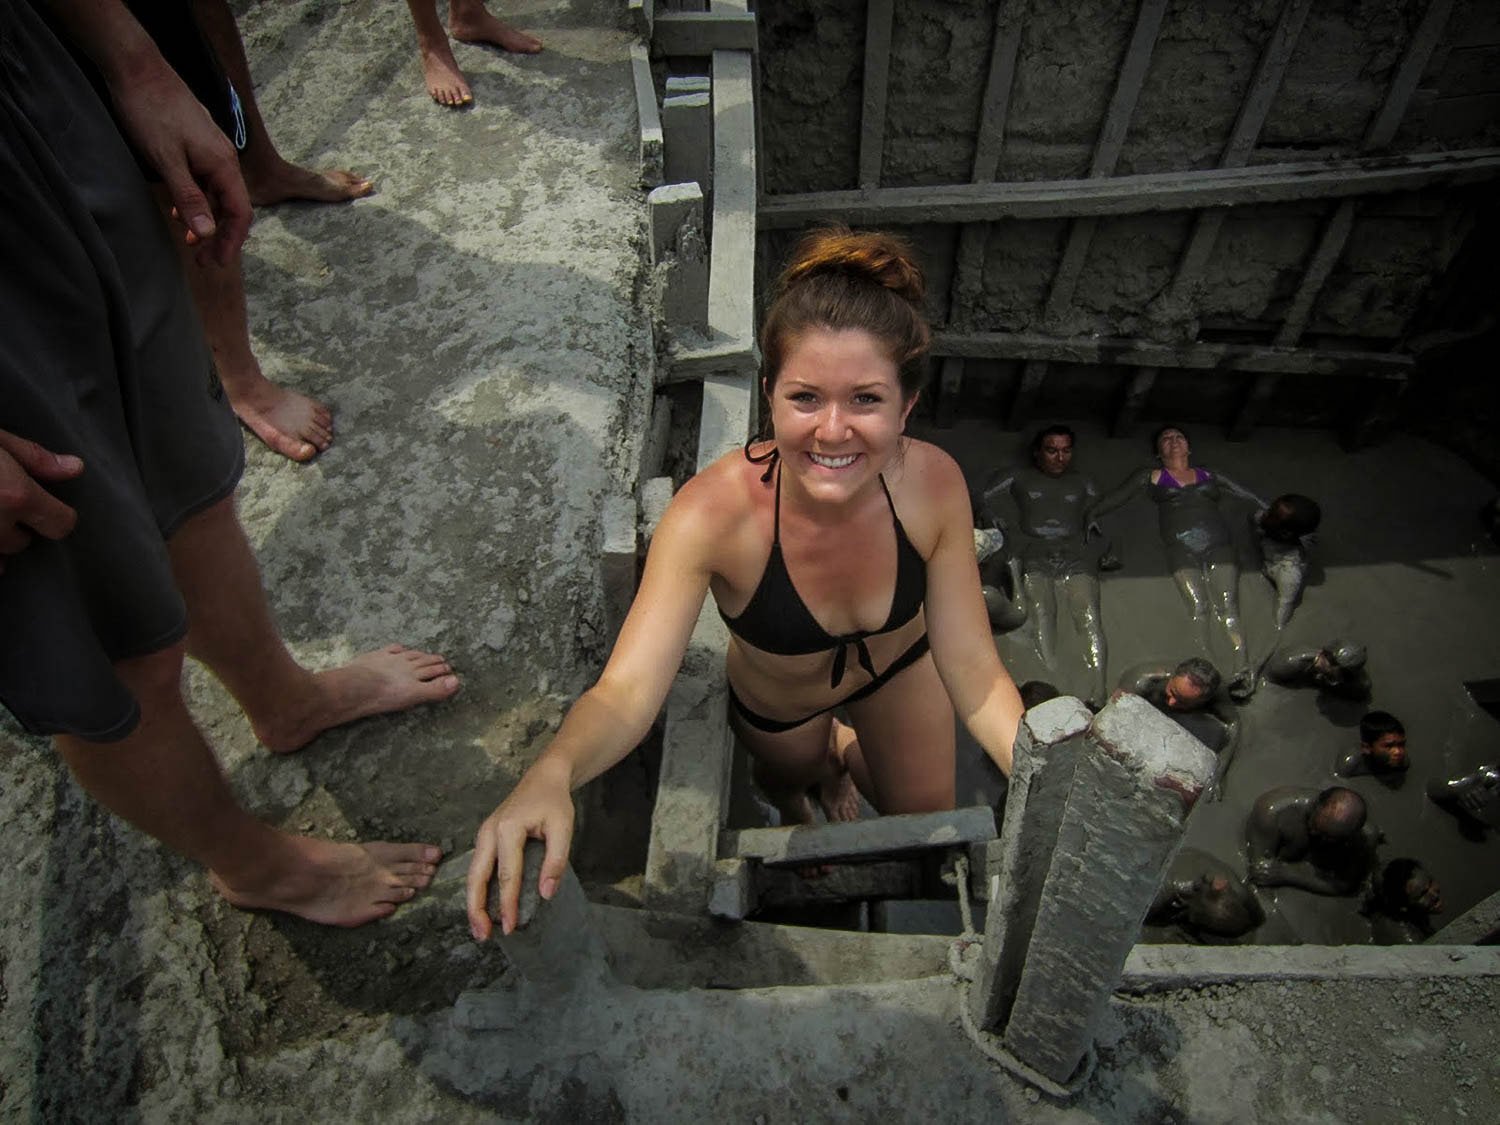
x=841, y=657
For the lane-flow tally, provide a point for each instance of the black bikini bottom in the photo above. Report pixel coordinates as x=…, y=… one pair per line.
x=917, y=650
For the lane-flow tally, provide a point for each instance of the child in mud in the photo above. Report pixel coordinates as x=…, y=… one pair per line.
x=1381, y=750
x=839, y=553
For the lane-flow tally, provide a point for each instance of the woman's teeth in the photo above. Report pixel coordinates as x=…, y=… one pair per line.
x=833, y=462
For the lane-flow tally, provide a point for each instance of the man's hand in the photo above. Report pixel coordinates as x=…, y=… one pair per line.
x=26, y=508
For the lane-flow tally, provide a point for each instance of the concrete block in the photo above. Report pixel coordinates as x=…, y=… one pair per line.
x=724, y=425
x=648, y=115
x=688, y=84
x=1480, y=924
x=698, y=33
x=656, y=494
x=687, y=136
x=1048, y=745
x=678, y=244
x=731, y=282
x=668, y=208
x=617, y=565
x=845, y=882
x=804, y=843
x=1122, y=822
x=654, y=448
x=553, y=946
x=921, y=916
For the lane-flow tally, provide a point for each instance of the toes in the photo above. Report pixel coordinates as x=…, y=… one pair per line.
x=393, y=647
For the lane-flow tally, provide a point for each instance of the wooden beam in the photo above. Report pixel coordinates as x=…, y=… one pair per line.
x=1134, y=399
x=955, y=828
x=648, y=117
x=702, y=33
x=879, y=16
x=1128, y=85
x=1134, y=195
x=1149, y=353
x=994, y=107
x=1335, y=234
x=731, y=279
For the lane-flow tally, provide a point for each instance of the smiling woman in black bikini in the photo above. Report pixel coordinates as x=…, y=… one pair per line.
x=840, y=554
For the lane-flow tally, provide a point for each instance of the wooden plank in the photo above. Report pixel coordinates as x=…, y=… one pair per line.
x=1133, y=401
x=702, y=33
x=650, y=143
x=1150, y=353
x=1023, y=402
x=1330, y=246
x=687, y=139
x=1383, y=129
x=731, y=273
x=950, y=386
x=1069, y=270
x=879, y=16
x=1133, y=195
x=805, y=843
x=1128, y=85
x=994, y=107
x=693, y=790
x=844, y=883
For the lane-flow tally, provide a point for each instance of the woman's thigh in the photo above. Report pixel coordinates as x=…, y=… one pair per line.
x=906, y=736
x=794, y=758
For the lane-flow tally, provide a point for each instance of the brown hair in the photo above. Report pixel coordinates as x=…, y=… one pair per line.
x=839, y=279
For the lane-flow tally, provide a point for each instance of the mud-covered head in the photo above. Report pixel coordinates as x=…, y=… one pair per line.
x=1052, y=450
x=1192, y=684
x=1382, y=740
x=1337, y=814
x=1170, y=439
x=1290, y=517
x=1220, y=904
x=1407, y=888
x=1342, y=656
x=841, y=280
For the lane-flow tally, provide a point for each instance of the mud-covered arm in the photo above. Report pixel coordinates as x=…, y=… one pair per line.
x=1241, y=491
x=963, y=648
x=1124, y=492
x=609, y=719
x=1285, y=666
x=1233, y=724
x=1304, y=876
x=996, y=500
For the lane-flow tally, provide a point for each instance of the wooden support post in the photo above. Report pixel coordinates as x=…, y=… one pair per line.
x=879, y=16
x=1075, y=903
x=675, y=213
x=1033, y=374
x=949, y=388
x=857, y=839
x=687, y=138
x=701, y=33
x=1132, y=402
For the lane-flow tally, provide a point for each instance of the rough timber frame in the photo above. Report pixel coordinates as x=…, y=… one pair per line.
x=1208, y=193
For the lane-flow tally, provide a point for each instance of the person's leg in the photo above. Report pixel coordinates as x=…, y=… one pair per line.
x=163, y=779
x=290, y=423
x=786, y=764
x=1224, y=581
x=469, y=21
x=270, y=178
x=1082, y=594
x=445, y=81
x=1193, y=586
x=906, y=739
x=230, y=630
x=1041, y=602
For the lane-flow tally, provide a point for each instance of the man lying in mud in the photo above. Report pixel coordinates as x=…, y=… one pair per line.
x=1049, y=561
x=1318, y=841
x=120, y=550
x=1381, y=750
x=1203, y=897
x=1189, y=694
x=1285, y=531
x=841, y=556
x=1337, y=669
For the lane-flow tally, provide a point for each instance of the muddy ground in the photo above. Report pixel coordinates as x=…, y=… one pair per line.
x=475, y=325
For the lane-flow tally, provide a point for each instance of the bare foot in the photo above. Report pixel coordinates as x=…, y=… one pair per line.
x=836, y=792
x=290, y=423
x=336, y=884
x=476, y=25
x=445, y=81
x=288, y=181
x=390, y=679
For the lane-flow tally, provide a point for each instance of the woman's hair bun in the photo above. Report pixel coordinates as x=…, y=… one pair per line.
x=886, y=259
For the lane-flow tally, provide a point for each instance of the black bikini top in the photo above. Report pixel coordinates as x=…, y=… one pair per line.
x=777, y=620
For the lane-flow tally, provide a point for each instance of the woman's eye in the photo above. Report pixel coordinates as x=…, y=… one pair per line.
x=867, y=399
x=801, y=396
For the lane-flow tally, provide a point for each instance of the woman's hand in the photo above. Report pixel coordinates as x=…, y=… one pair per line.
x=540, y=807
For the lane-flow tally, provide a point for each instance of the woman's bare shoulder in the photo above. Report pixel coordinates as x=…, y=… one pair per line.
x=719, y=500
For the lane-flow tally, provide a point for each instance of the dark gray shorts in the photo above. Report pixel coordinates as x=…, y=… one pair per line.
x=102, y=356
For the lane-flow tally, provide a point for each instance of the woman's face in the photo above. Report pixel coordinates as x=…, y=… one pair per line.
x=1172, y=444
x=837, y=410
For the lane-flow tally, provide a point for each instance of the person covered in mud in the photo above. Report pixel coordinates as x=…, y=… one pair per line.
x=1051, y=564
x=1318, y=841
x=1202, y=896
x=1200, y=550
x=1381, y=750
x=1188, y=692
x=1286, y=533
x=840, y=554
x=1337, y=669
x=1475, y=795
x=1401, y=903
